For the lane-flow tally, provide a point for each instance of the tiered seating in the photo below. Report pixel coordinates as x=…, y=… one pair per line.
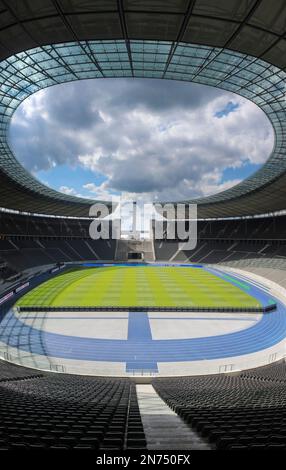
x=105, y=249
x=80, y=247
x=232, y=412
x=17, y=225
x=8, y=274
x=275, y=372
x=10, y=371
x=55, y=249
x=27, y=258
x=219, y=241
x=267, y=228
x=164, y=250
x=5, y=245
x=227, y=252
x=64, y=412
x=25, y=254
x=69, y=251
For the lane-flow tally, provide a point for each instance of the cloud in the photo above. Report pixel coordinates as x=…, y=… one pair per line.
x=101, y=191
x=160, y=139
x=69, y=191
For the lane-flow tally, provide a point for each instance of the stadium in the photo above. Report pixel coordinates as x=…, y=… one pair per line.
x=142, y=343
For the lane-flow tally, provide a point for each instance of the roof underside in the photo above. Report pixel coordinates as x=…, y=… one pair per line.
x=150, y=38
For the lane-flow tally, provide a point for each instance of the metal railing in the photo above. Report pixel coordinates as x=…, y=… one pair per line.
x=151, y=308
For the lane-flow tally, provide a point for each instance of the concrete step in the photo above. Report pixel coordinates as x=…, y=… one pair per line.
x=163, y=428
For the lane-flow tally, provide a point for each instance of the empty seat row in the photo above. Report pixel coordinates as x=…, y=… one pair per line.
x=232, y=412
x=61, y=411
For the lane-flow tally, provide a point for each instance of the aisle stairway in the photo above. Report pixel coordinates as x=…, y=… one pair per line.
x=163, y=428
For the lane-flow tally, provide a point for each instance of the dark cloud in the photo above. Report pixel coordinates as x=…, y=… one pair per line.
x=159, y=95
x=40, y=146
x=72, y=107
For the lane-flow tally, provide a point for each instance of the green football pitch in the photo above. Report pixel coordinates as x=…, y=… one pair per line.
x=139, y=286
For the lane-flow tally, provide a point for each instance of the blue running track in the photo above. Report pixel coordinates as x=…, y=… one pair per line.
x=140, y=351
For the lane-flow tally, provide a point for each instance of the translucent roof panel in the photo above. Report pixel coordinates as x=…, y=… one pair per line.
x=237, y=45
x=30, y=71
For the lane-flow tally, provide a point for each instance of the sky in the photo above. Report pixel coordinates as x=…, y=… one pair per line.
x=154, y=139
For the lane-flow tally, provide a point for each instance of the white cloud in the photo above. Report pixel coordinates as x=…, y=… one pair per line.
x=155, y=138
x=101, y=191
x=69, y=191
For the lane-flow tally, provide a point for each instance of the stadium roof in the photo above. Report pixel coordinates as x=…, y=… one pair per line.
x=237, y=45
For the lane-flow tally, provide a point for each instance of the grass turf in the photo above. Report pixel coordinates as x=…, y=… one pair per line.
x=138, y=286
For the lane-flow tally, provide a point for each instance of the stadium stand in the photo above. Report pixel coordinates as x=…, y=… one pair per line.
x=218, y=242
x=20, y=254
x=43, y=410
x=257, y=228
x=247, y=242
x=10, y=371
x=233, y=412
x=274, y=372
x=237, y=46
x=50, y=411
